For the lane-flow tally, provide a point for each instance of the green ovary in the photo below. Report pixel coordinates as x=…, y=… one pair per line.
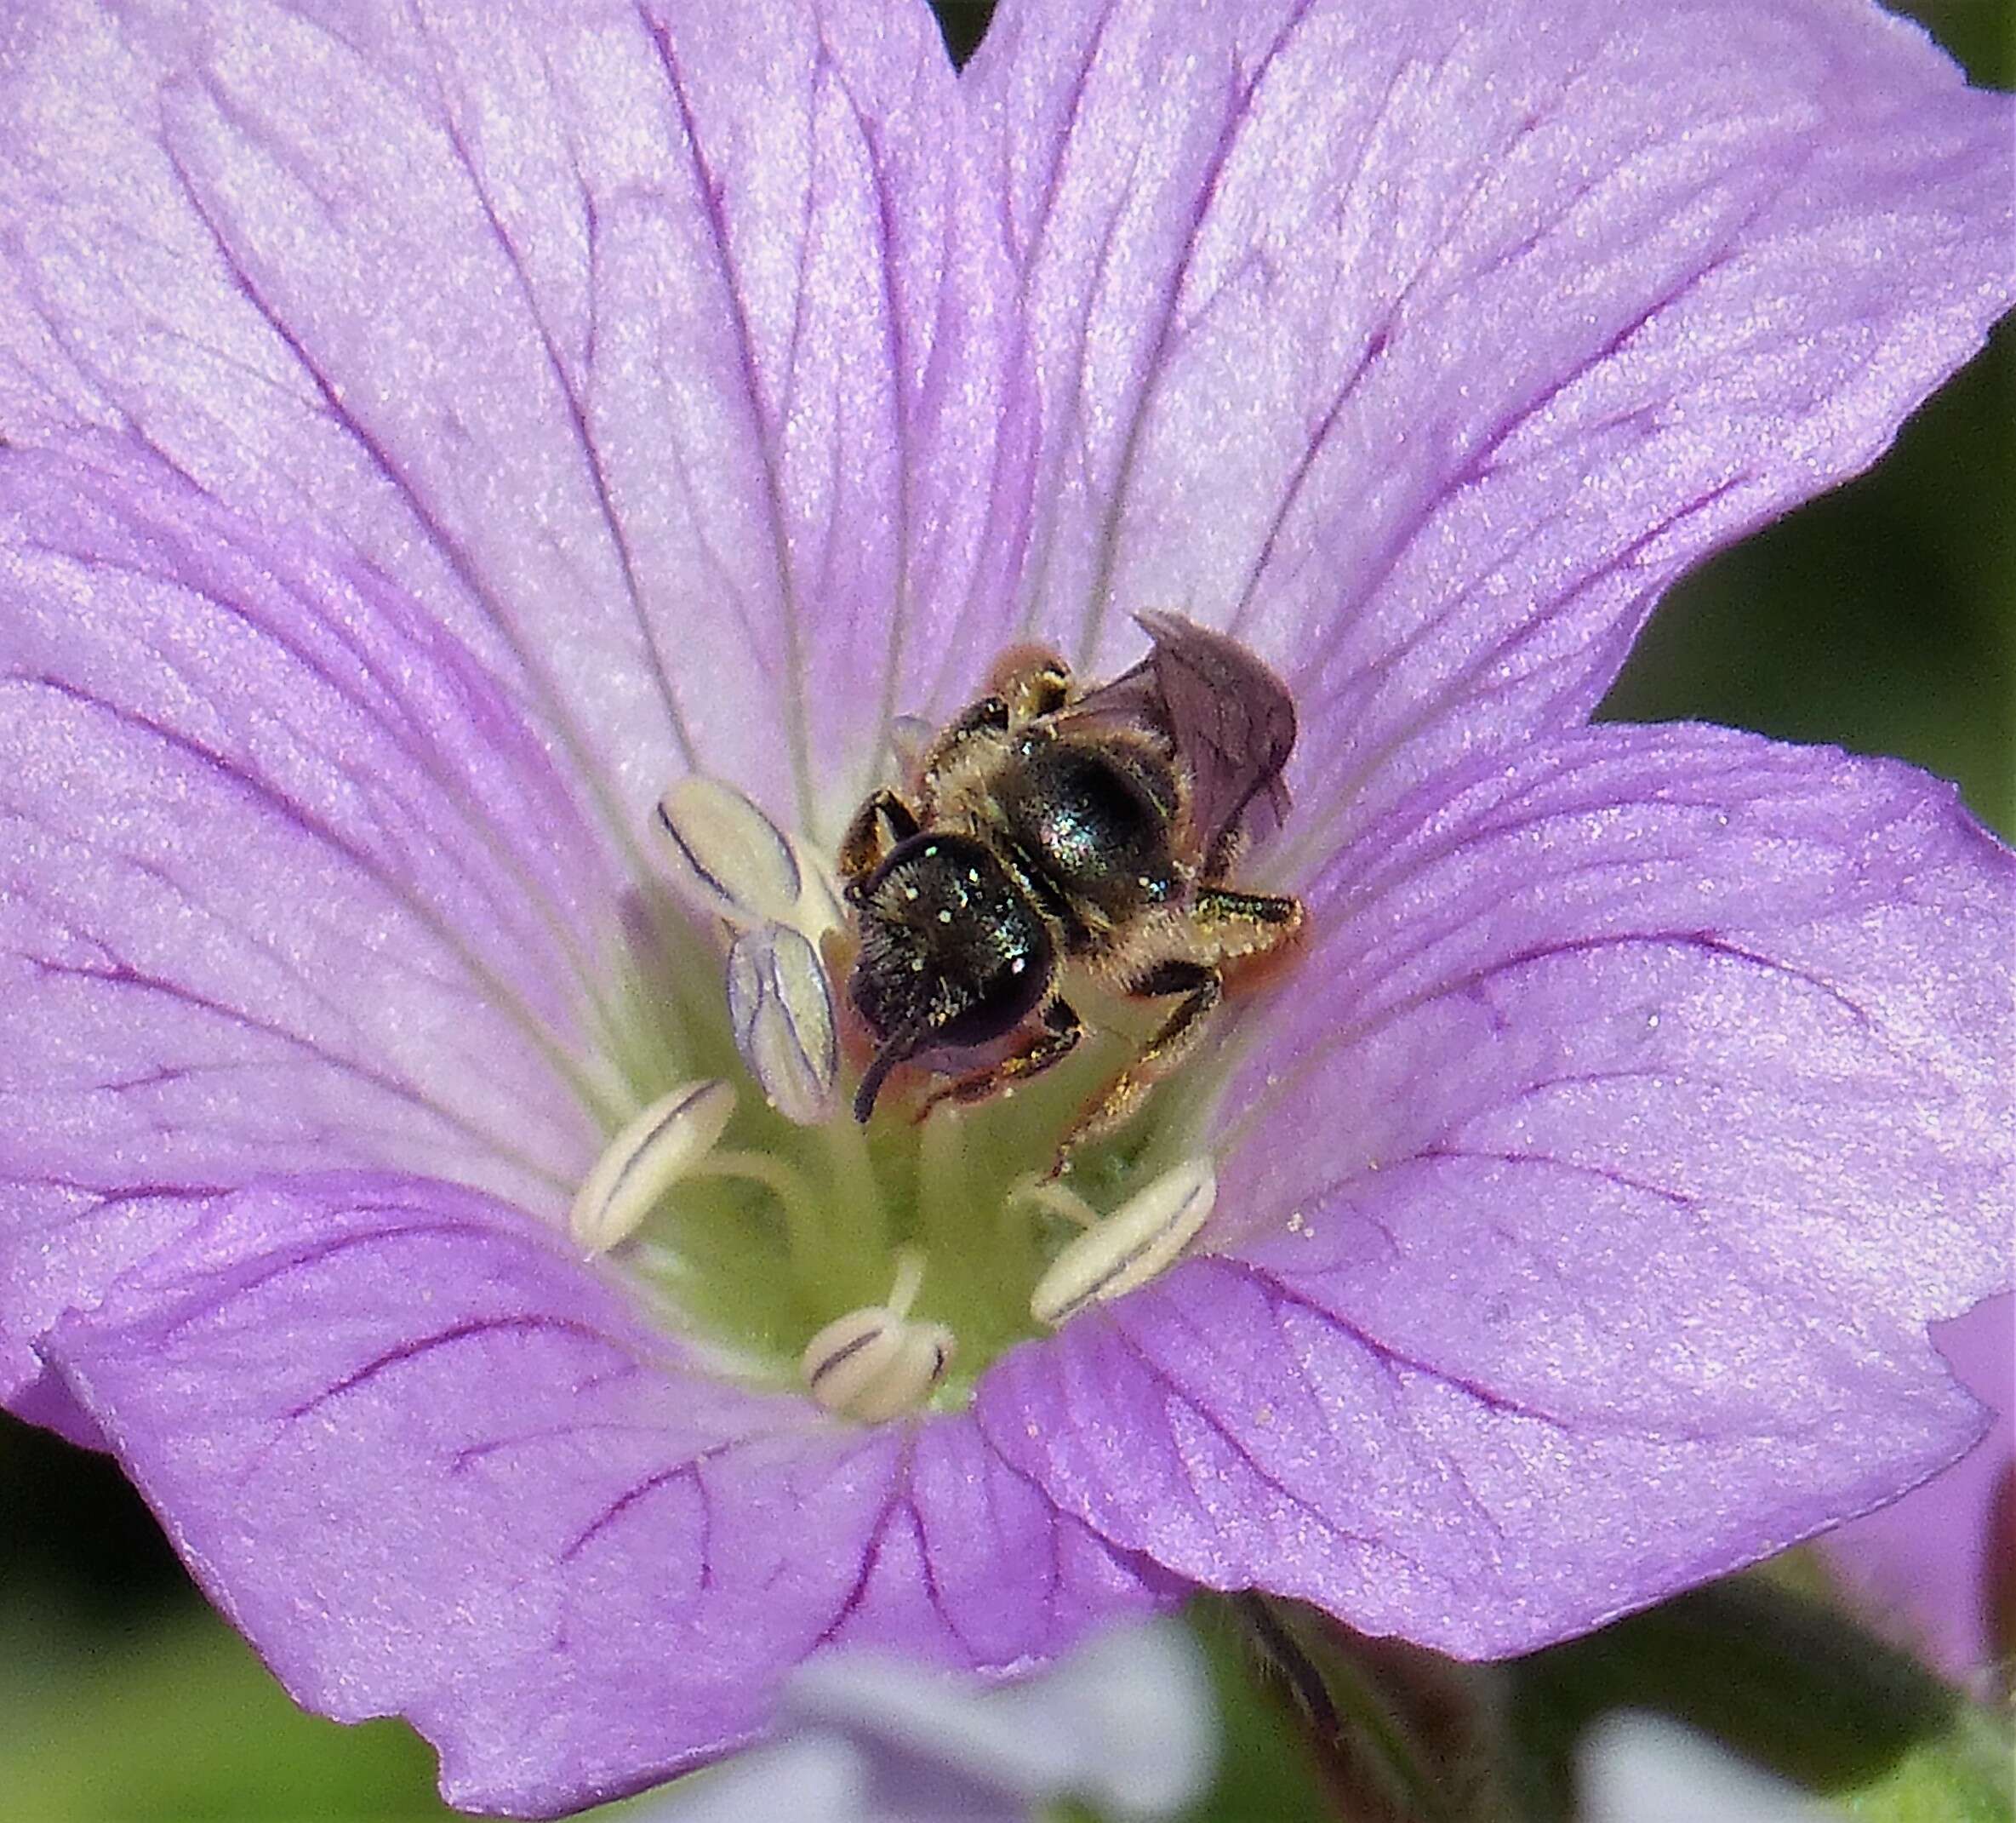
x=784, y=1228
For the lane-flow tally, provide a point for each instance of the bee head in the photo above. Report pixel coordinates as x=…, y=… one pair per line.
x=953, y=955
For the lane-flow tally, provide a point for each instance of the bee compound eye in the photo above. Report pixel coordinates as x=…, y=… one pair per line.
x=997, y=987
x=952, y=948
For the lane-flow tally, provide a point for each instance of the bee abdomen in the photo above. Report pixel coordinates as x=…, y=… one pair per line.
x=1092, y=830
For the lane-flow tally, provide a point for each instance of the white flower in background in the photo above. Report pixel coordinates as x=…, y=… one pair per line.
x=1127, y=1724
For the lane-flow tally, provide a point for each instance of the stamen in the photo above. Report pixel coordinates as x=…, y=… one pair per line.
x=873, y=1363
x=727, y=857
x=661, y=1145
x=819, y=909
x=1047, y=1193
x=796, y=1197
x=781, y=1006
x=1138, y=1241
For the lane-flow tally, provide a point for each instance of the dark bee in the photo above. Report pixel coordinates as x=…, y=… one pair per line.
x=1051, y=829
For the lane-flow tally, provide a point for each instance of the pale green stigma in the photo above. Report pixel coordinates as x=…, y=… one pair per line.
x=878, y=1270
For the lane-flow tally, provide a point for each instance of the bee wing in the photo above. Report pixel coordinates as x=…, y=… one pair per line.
x=1229, y=718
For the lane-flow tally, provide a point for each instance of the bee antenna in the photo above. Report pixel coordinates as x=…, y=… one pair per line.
x=897, y=1050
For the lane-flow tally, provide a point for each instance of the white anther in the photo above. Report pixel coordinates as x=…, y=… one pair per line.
x=660, y=1147
x=727, y=857
x=873, y=1363
x=781, y=1007
x=1139, y=1240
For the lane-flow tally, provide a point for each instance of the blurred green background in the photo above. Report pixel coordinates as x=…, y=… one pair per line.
x=1882, y=618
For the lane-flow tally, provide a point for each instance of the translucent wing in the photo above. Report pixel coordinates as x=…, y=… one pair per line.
x=1228, y=717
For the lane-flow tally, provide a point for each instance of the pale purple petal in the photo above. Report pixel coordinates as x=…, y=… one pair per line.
x=1928, y=1564
x=432, y=1463
x=638, y=341
x=1586, y=1213
x=287, y=884
x=1424, y=342
x=1127, y=1721
x=809, y=1778
x=424, y=429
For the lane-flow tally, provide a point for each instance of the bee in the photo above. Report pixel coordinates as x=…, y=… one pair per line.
x=1053, y=830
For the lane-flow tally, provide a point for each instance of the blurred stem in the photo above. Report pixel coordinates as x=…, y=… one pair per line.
x=1400, y=1734
x=1789, y=1682
x=1761, y=1662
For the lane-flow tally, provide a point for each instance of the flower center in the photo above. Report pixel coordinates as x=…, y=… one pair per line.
x=878, y=1267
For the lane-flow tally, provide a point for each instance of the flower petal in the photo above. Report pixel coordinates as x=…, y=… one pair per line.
x=1646, y=1102
x=430, y=1462
x=1127, y=1721
x=1929, y=1563
x=1422, y=343
x=287, y=884
x=627, y=337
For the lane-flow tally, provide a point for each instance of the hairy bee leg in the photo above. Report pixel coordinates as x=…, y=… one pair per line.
x=877, y=827
x=1059, y=1038
x=1033, y=681
x=1229, y=925
x=989, y=715
x=1202, y=987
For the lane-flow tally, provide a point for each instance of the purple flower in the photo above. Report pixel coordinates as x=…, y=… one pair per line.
x=1939, y=1563
x=428, y=433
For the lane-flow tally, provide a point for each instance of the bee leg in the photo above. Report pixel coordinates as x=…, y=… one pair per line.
x=989, y=715
x=1055, y=1041
x=1232, y=925
x=878, y=827
x=1033, y=681
x=1202, y=987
